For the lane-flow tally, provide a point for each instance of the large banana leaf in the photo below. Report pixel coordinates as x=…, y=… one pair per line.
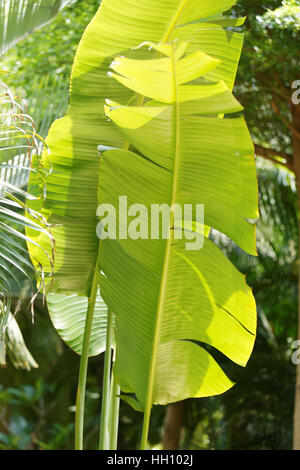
x=165, y=297
x=73, y=185
x=20, y=17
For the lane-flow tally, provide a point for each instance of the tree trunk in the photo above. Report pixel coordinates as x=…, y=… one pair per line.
x=296, y=164
x=173, y=425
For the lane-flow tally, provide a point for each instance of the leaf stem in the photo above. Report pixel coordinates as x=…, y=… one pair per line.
x=146, y=423
x=165, y=268
x=104, y=421
x=114, y=407
x=80, y=399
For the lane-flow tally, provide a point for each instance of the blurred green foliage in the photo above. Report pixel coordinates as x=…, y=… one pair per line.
x=268, y=67
x=37, y=408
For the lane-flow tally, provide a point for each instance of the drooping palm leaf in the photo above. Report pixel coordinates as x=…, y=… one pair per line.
x=20, y=17
x=17, y=119
x=18, y=140
x=13, y=343
x=32, y=115
x=17, y=133
x=16, y=267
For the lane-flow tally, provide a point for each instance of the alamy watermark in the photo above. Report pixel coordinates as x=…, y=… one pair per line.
x=137, y=221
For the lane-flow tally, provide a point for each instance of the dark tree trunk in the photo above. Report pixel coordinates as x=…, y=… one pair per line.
x=173, y=426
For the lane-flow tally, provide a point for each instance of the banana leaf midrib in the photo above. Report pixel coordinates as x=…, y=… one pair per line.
x=141, y=99
x=168, y=247
x=126, y=146
x=173, y=25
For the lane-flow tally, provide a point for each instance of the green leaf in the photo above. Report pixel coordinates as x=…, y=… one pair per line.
x=68, y=314
x=184, y=296
x=16, y=268
x=73, y=183
x=16, y=347
x=164, y=297
x=15, y=216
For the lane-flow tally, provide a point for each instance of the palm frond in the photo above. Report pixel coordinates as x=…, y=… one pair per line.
x=277, y=228
x=47, y=102
x=17, y=130
x=20, y=17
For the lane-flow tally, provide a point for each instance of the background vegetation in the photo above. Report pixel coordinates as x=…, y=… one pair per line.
x=37, y=407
